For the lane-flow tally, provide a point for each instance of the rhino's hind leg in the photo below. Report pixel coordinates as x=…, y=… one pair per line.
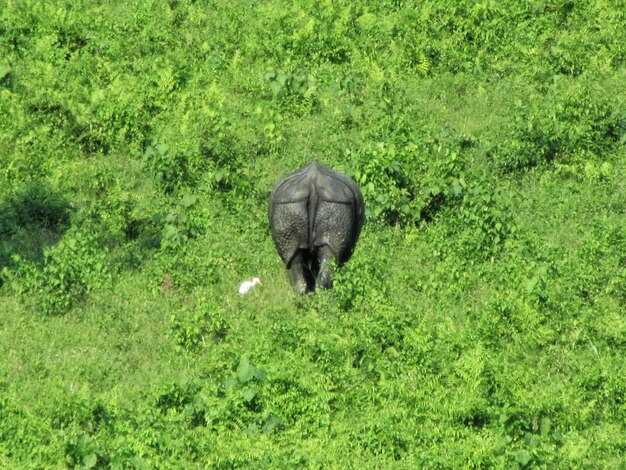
x=325, y=275
x=299, y=273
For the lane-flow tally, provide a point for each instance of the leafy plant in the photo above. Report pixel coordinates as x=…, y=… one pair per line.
x=384, y=185
x=71, y=269
x=200, y=326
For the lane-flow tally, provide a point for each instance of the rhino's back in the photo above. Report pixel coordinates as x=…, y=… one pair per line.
x=340, y=213
x=315, y=206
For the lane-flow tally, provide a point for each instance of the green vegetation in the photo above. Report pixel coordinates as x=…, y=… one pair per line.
x=481, y=322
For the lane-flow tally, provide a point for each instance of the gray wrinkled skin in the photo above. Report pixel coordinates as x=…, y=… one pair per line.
x=315, y=215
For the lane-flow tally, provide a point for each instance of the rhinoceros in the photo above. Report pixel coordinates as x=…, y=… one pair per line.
x=316, y=215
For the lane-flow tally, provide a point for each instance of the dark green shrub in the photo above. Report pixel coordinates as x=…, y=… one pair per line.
x=482, y=222
x=7, y=77
x=382, y=180
x=295, y=92
x=241, y=402
x=70, y=270
x=182, y=224
x=197, y=146
x=34, y=206
x=178, y=395
x=31, y=220
x=199, y=326
x=574, y=121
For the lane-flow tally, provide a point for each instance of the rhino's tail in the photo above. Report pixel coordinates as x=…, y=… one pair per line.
x=311, y=213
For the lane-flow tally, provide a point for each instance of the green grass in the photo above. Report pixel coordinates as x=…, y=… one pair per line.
x=480, y=322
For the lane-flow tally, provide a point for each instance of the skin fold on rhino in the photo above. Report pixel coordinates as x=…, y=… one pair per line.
x=315, y=215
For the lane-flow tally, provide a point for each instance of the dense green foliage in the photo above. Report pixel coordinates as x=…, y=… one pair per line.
x=481, y=321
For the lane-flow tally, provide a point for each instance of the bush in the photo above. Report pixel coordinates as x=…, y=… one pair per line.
x=574, y=121
x=71, y=269
x=199, y=326
x=31, y=220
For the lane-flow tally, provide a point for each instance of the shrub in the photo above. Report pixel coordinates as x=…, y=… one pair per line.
x=35, y=205
x=71, y=269
x=574, y=121
x=199, y=326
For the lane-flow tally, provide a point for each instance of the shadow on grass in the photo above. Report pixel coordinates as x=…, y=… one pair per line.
x=33, y=218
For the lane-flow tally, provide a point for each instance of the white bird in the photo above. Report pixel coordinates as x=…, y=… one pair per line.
x=245, y=286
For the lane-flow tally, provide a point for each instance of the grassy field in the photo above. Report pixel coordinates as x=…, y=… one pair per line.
x=481, y=322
